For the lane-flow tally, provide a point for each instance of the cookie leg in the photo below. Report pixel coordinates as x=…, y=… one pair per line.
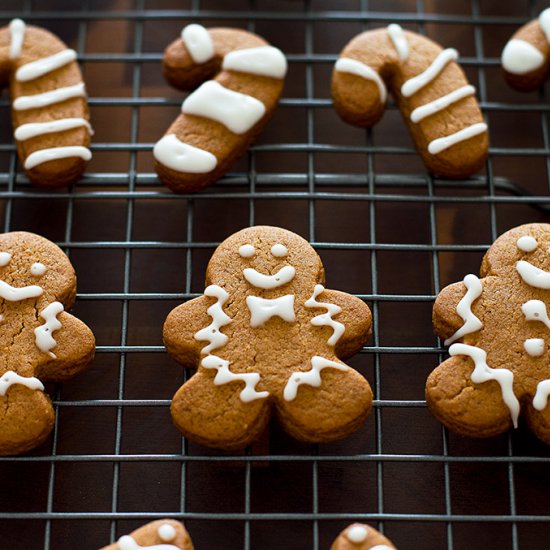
x=215, y=415
x=325, y=408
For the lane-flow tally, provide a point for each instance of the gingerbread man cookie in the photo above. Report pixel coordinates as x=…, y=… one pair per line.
x=163, y=534
x=361, y=537
x=498, y=329
x=39, y=340
x=221, y=118
x=49, y=108
x=430, y=89
x=268, y=336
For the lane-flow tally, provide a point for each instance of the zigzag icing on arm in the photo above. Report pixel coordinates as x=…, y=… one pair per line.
x=325, y=319
x=43, y=334
x=212, y=333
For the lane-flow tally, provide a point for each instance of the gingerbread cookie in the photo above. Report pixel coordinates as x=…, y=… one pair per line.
x=221, y=118
x=430, y=89
x=268, y=336
x=361, y=537
x=49, y=108
x=164, y=534
x=497, y=327
x=40, y=341
x=525, y=58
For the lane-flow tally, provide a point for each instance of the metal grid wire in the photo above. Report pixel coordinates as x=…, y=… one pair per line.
x=386, y=231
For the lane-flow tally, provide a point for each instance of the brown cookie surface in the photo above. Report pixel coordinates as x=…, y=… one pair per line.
x=498, y=327
x=430, y=89
x=242, y=80
x=39, y=340
x=267, y=336
x=48, y=104
x=361, y=537
x=163, y=534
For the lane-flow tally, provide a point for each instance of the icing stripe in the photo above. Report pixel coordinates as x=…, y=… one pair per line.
x=182, y=157
x=43, y=66
x=541, y=396
x=37, y=101
x=352, y=66
x=483, y=373
x=56, y=153
x=10, y=378
x=533, y=275
x=43, y=334
x=17, y=32
x=212, y=333
x=311, y=377
x=464, y=309
x=441, y=103
x=411, y=86
x=13, y=294
x=395, y=32
x=198, y=42
x=325, y=319
x=263, y=61
x=237, y=112
x=521, y=57
x=440, y=144
x=544, y=22
x=33, y=129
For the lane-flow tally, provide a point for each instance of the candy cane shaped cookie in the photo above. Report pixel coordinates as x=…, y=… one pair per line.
x=49, y=108
x=525, y=58
x=220, y=119
x=430, y=89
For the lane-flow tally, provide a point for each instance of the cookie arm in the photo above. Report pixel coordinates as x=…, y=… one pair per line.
x=445, y=319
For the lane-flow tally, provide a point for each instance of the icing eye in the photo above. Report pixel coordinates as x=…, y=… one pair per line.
x=527, y=243
x=279, y=250
x=38, y=269
x=5, y=258
x=247, y=251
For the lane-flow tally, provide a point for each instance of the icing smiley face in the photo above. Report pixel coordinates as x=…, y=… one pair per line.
x=502, y=326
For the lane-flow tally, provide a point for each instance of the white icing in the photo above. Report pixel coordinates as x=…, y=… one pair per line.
x=198, y=42
x=535, y=310
x=534, y=346
x=311, y=377
x=33, y=129
x=212, y=333
x=38, y=269
x=259, y=280
x=13, y=294
x=263, y=309
x=224, y=376
x=544, y=22
x=128, y=543
x=464, y=309
x=395, y=32
x=411, y=86
x=17, y=32
x=483, y=373
x=352, y=66
x=381, y=547
x=440, y=144
x=5, y=258
x=527, y=243
x=247, y=251
x=237, y=112
x=441, y=103
x=56, y=153
x=533, y=275
x=521, y=57
x=43, y=66
x=262, y=61
x=541, y=396
x=166, y=532
x=10, y=378
x=182, y=157
x=325, y=319
x=357, y=534
x=43, y=334
x=279, y=250
x=37, y=101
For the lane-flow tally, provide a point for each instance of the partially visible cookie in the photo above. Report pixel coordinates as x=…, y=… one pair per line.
x=39, y=340
x=498, y=330
x=526, y=57
x=361, y=537
x=163, y=534
x=48, y=104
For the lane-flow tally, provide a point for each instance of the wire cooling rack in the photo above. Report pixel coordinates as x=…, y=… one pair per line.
x=386, y=231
